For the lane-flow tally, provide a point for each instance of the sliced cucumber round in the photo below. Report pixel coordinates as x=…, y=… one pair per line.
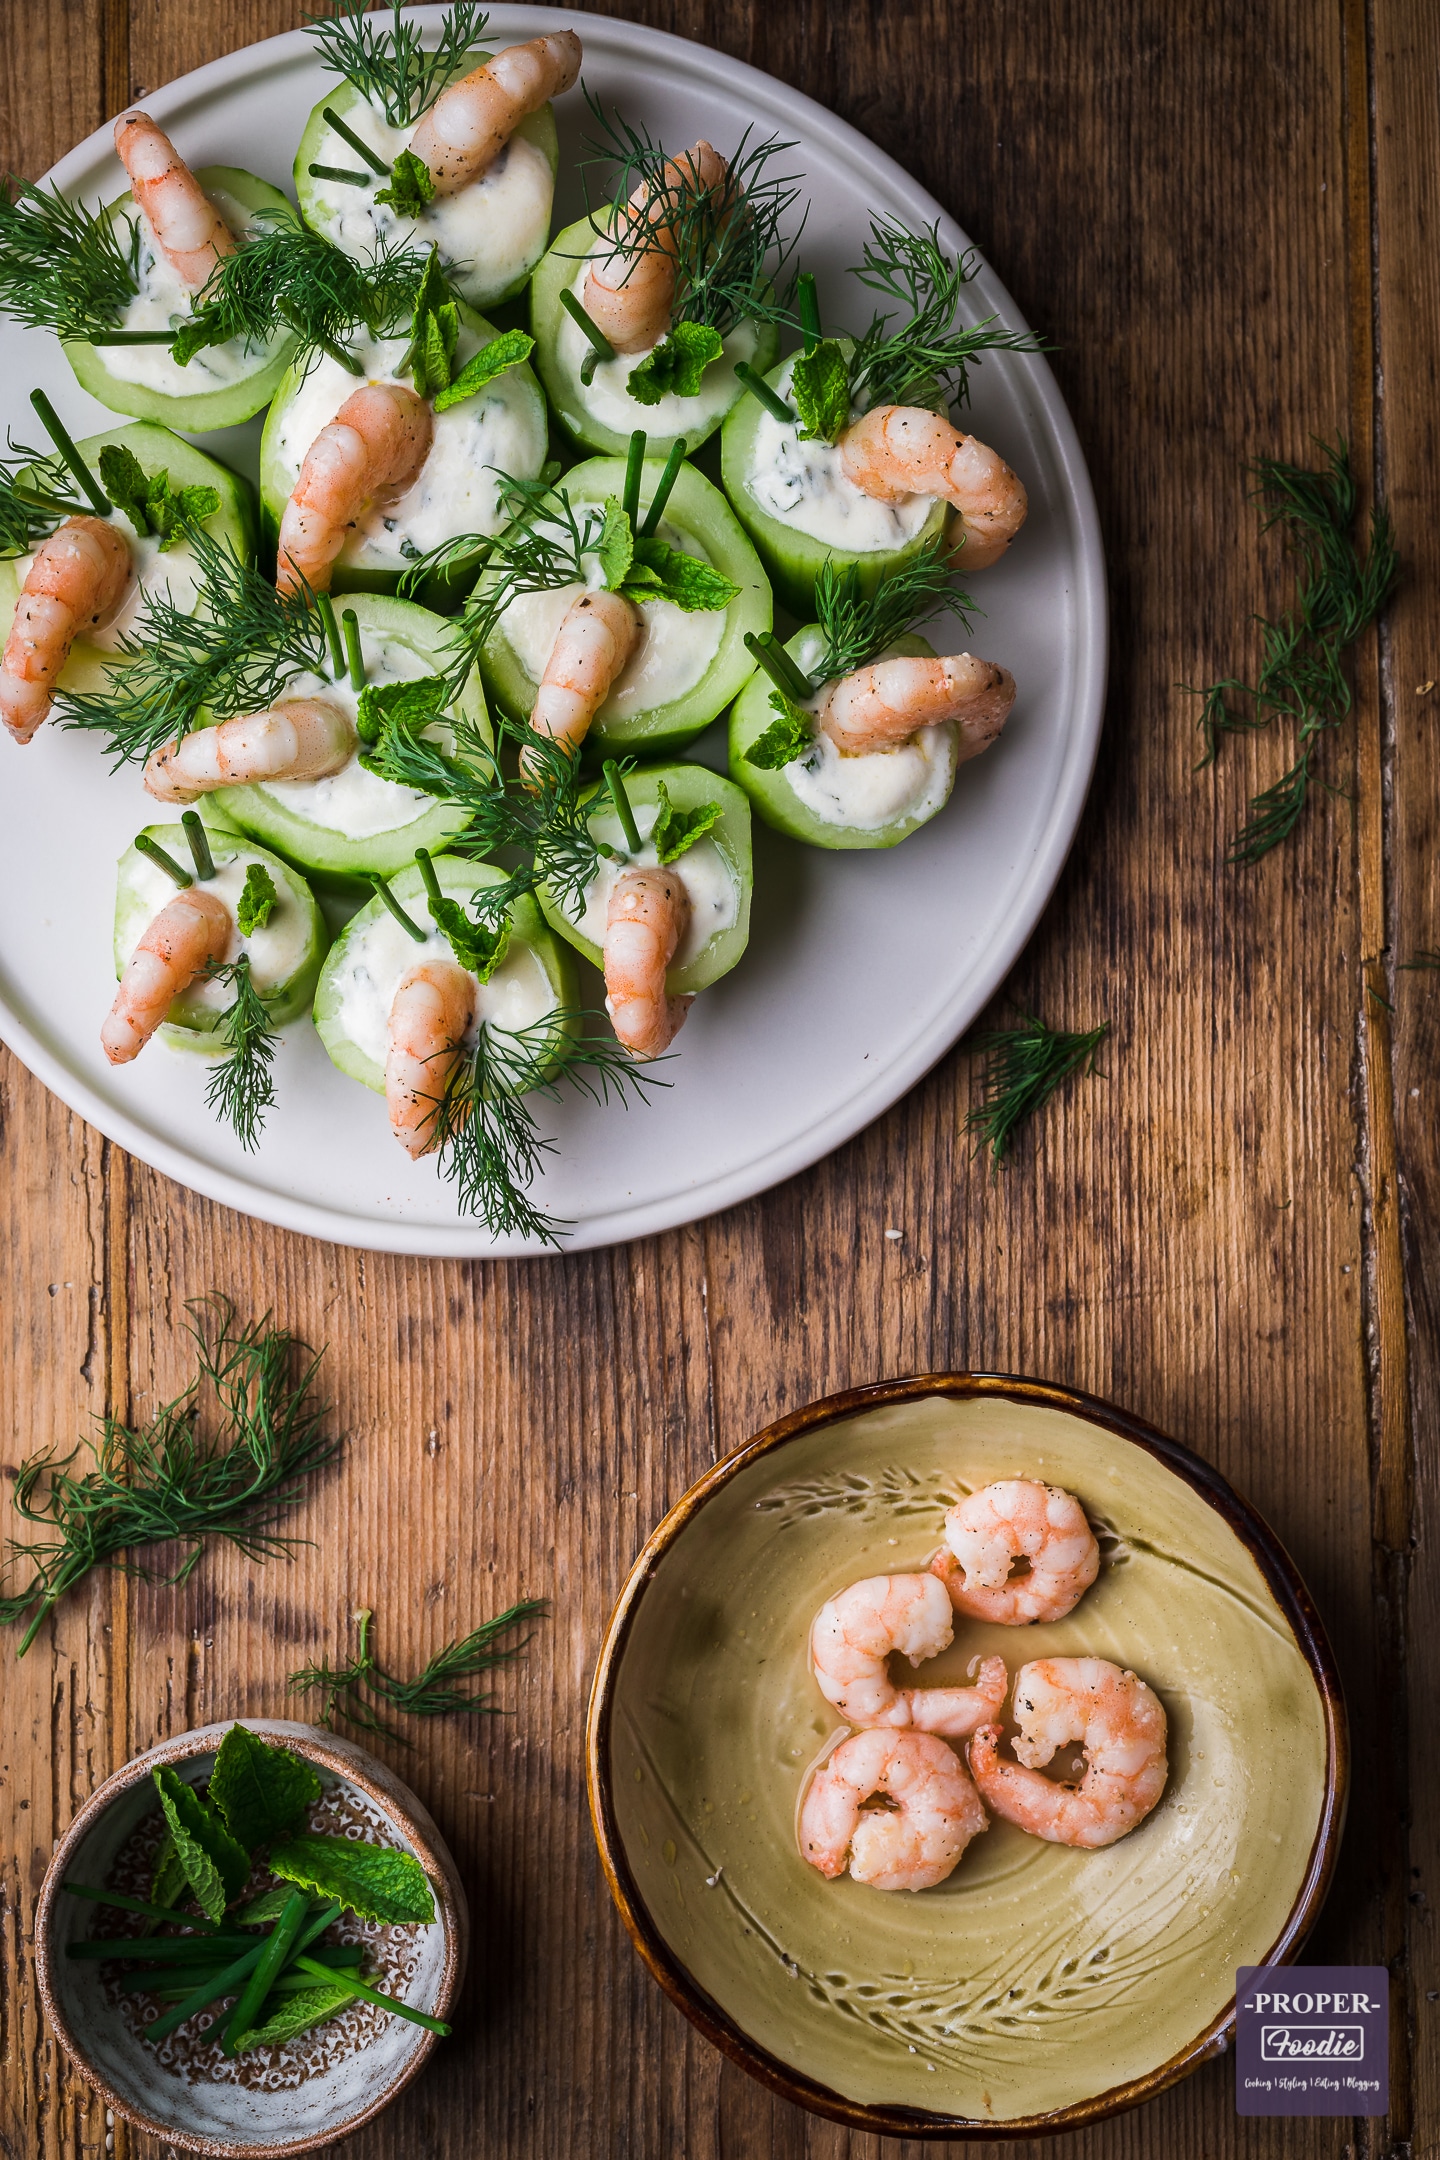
x=233, y=524
x=218, y=388
x=793, y=558
x=290, y=816
x=776, y=793
x=716, y=869
x=285, y=956
x=535, y=979
x=698, y=518
x=461, y=225
x=502, y=428
x=601, y=415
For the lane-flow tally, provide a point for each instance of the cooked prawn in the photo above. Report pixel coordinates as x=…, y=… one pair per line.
x=630, y=289
x=597, y=634
x=77, y=577
x=301, y=739
x=1118, y=1721
x=648, y=915
x=472, y=120
x=1017, y=1519
x=375, y=445
x=430, y=1015
x=910, y=1846
x=189, y=231
x=855, y=1635
x=899, y=450
x=189, y=931
x=881, y=705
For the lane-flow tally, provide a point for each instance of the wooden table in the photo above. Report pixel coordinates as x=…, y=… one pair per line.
x=1225, y=219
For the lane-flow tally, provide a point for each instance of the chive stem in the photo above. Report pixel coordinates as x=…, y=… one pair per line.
x=328, y=1974
x=272, y=1957
x=199, y=1950
x=51, y=422
x=405, y=922
x=809, y=309
x=771, y=655
x=634, y=466
x=122, y=1903
x=130, y=337
x=362, y=150
x=59, y=504
x=342, y=173
x=623, y=810
x=207, y=1992
x=427, y=874
x=157, y=854
x=332, y=634
x=759, y=388
x=199, y=841
x=663, y=492
x=600, y=345
x=338, y=352
x=354, y=658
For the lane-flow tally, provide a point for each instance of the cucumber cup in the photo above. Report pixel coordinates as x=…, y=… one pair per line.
x=689, y=666
x=221, y=386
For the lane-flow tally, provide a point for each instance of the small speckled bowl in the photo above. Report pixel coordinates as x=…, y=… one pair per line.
x=262, y=2106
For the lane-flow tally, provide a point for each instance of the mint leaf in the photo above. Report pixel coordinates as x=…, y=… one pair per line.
x=256, y=904
x=168, y=1883
x=434, y=327
x=147, y=500
x=787, y=738
x=474, y=946
x=124, y=480
x=261, y=1791
x=308, y=2006
x=676, y=830
x=511, y=349
x=216, y=1868
x=398, y=705
x=616, y=545
x=260, y=1911
x=372, y=1880
x=411, y=187
x=820, y=386
x=660, y=572
x=677, y=364
x=172, y=513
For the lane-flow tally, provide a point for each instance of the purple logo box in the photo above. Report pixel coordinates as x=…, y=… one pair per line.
x=1312, y=2040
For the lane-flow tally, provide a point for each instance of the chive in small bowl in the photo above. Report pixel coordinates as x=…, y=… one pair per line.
x=263, y=2102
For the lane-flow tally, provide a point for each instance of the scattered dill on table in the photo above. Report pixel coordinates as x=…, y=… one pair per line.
x=357, y=1691
x=1023, y=1068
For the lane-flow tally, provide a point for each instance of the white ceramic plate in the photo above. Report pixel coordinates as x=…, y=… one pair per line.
x=862, y=969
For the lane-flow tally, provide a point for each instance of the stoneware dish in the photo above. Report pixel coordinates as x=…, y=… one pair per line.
x=320, y=2086
x=1039, y=1987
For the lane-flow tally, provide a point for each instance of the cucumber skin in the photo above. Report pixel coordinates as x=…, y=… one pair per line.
x=565, y=391
x=333, y=863
x=209, y=408
x=689, y=786
x=698, y=508
x=441, y=593
x=194, y=1027
x=770, y=793
x=88, y=666
x=793, y=559
x=459, y=879
x=537, y=128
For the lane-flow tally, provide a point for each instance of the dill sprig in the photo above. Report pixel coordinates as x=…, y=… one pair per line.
x=857, y=625
x=235, y=652
x=434, y=1692
x=1023, y=1068
x=288, y=278
x=927, y=353
x=1426, y=959
x=241, y=1087
x=167, y=1481
x=1341, y=588
x=541, y=548
x=31, y=507
x=728, y=245
x=391, y=68
x=63, y=267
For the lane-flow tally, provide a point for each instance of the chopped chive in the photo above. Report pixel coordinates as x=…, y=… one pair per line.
x=89, y=487
x=130, y=337
x=167, y=863
x=809, y=309
x=326, y=607
x=427, y=874
x=138, y=1905
x=199, y=841
x=759, y=388
x=328, y=1974
x=383, y=889
x=161, y=1950
x=60, y=504
x=623, y=810
x=341, y=173
x=208, y=1991
x=338, y=352
x=600, y=345
x=778, y=665
x=276, y=1951
x=662, y=493
x=363, y=150
x=634, y=465
x=354, y=659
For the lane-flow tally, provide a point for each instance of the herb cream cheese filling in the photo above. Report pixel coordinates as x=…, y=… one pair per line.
x=606, y=398
x=163, y=302
x=802, y=485
x=376, y=956
x=702, y=870
x=275, y=952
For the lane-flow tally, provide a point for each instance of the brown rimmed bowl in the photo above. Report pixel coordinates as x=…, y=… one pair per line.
x=320, y=2086
x=1039, y=1988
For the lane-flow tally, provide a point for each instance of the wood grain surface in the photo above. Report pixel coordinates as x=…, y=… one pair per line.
x=1225, y=217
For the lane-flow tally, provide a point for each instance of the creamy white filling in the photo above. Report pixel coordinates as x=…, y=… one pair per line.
x=803, y=486
x=500, y=429
x=706, y=876
x=607, y=399
x=163, y=302
x=882, y=786
x=489, y=233
x=353, y=801
x=275, y=952
x=518, y=994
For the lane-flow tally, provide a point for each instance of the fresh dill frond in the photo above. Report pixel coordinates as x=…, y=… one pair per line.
x=1426, y=958
x=166, y=1481
x=927, y=354
x=36, y=493
x=287, y=278
x=63, y=267
x=241, y=1088
x=358, y=1691
x=857, y=625
x=728, y=243
x=391, y=68
x=1023, y=1068
x=234, y=653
